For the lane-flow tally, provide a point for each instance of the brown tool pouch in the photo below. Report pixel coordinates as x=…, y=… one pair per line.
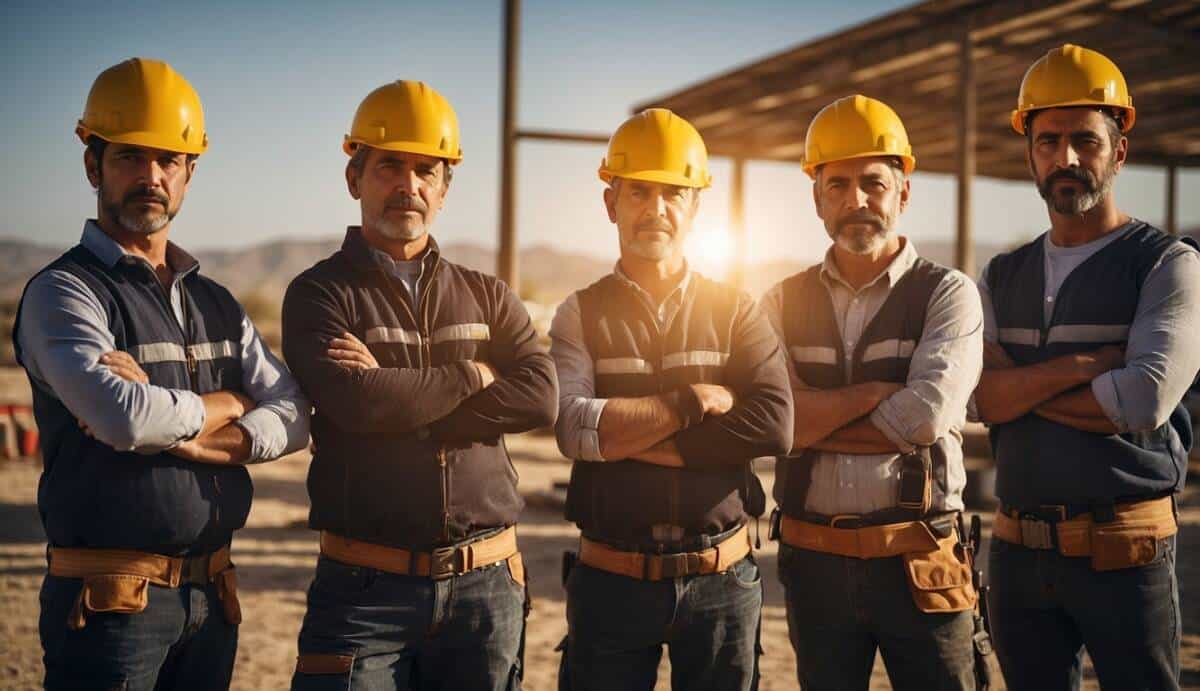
x=916, y=481
x=1122, y=546
x=940, y=580
x=516, y=568
x=227, y=592
x=116, y=593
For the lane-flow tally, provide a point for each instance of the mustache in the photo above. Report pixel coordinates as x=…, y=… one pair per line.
x=406, y=202
x=1081, y=176
x=859, y=218
x=654, y=225
x=142, y=193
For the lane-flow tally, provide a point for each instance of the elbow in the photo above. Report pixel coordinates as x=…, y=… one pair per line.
x=924, y=434
x=121, y=434
x=546, y=414
x=1149, y=418
x=780, y=442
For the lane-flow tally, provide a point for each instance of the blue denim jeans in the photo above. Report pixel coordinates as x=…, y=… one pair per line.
x=841, y=609
x=410, y=632
x=180, y=641
x=616, y=627
x=1046, y=607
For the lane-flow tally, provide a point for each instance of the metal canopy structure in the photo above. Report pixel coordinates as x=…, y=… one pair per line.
x=957, y=111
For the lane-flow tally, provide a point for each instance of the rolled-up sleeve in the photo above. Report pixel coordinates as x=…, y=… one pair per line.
x=278, y=425
x=945, y=368
x=62, y=333
x=578, y=425
x=1162, y=355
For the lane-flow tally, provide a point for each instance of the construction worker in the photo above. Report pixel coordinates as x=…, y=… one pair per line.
x=1091, y=343
x=417, y=368
x=671, y=383
x=885, y=349
x=151, y=389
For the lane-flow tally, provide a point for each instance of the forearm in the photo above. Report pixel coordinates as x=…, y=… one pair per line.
x=821, y=412
x=858, y=437
x=519, y=401
x=664, y=453
x=229, y=445
x=1079, y=409
x=277, y=427
x=1006, y=394
x=629, y=426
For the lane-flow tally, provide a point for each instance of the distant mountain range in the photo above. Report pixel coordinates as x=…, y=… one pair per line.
x=262, y=272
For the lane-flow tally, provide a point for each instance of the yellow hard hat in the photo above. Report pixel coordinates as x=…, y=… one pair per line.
x=146, y=103
x=1073, y=76
x=856, y=127
x=406, y=116
x=657, y=145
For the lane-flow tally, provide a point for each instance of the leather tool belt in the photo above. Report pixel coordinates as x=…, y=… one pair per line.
x=867, y=542
x=657, y=567
x=442, y=563
x=117, y=580
x=1115, y=536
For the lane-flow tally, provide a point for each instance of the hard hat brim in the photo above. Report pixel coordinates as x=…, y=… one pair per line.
x=151, y=140
x=909, y=161
x=349, y=144
x=662, y=177
x=1020, y=114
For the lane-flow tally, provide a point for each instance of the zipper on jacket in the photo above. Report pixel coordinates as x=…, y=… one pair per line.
x=445, y=494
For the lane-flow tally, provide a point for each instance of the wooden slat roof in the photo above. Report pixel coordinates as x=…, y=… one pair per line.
x=910, y=60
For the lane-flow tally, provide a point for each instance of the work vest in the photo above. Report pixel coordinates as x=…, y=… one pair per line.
x=883, y=353
x=618, y=501
x=1043, y=462
x=92, y=495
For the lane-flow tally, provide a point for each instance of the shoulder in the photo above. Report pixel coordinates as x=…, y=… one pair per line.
x=325, y=274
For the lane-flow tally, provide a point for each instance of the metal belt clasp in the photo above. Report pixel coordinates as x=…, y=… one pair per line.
x=1037, y=533
x=445, y=562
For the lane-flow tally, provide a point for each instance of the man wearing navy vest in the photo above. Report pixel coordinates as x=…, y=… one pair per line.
x=885, y=348
x=671, y=384
x=1092, y=342
x=417, y=367
x=151, y=389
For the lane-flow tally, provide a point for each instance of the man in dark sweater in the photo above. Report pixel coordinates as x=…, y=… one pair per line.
x=417, y=367
x=671, y=384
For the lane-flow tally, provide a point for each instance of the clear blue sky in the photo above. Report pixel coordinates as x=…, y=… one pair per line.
x=280, y=82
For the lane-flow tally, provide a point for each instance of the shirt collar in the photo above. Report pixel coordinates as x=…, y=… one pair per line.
x=676, y=293
x=365, y=256
x=900, y=264
x=108, y=251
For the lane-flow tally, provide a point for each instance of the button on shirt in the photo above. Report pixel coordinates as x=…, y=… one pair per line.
x=64, y=331
x=944, y=370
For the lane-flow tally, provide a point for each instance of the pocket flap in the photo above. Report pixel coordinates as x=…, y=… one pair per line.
x=940, y=569
x=115, y=593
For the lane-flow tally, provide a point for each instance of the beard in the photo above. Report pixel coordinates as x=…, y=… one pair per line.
x=1066, y=200
x=869, y=232
x=404, y=230
x=653, y=250
x=145, y=220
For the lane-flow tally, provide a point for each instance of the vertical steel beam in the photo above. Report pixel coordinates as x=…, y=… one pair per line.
x=1172, y=221
x=964, y=249
x=737, y=222
x=506, y=261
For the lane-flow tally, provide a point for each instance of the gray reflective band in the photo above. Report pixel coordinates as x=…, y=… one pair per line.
x=1025, y=337
x=383, y=334
x=623, y=365
x=694, y=358
x=815, y=355
x=150, y=353
x=1088, y=333
x=212, y=351
x=461, y=332
x=891, y=348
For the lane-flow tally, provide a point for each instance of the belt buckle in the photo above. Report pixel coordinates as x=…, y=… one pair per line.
x=1037, y=533
x=843, y=517
x=676, y=565
x=445, y=562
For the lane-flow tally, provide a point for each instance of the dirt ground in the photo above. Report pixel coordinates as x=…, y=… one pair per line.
x=276, y=554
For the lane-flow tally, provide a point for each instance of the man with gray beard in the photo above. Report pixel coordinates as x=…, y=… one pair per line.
x=417, y=367
x=1091, y=341
x=884, y=349
x=152, y=390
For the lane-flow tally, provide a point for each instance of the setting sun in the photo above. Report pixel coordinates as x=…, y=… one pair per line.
x=710, y=250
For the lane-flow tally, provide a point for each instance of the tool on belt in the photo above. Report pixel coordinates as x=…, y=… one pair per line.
x=118, y=581
x=988, y=676
x=1115, y=536
x=655, y=567
x=441, y=563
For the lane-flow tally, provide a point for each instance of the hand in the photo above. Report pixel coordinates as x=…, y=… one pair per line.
x=187, y=450
x=351, y=353
x=1093, y=364
x=996, y=357
x=487, y=374
x=714, y=399
x=124, y=366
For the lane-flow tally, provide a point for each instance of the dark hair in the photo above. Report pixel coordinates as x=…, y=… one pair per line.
x=358, y=161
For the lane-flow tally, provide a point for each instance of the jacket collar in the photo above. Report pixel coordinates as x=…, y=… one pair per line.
x=362, y=255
